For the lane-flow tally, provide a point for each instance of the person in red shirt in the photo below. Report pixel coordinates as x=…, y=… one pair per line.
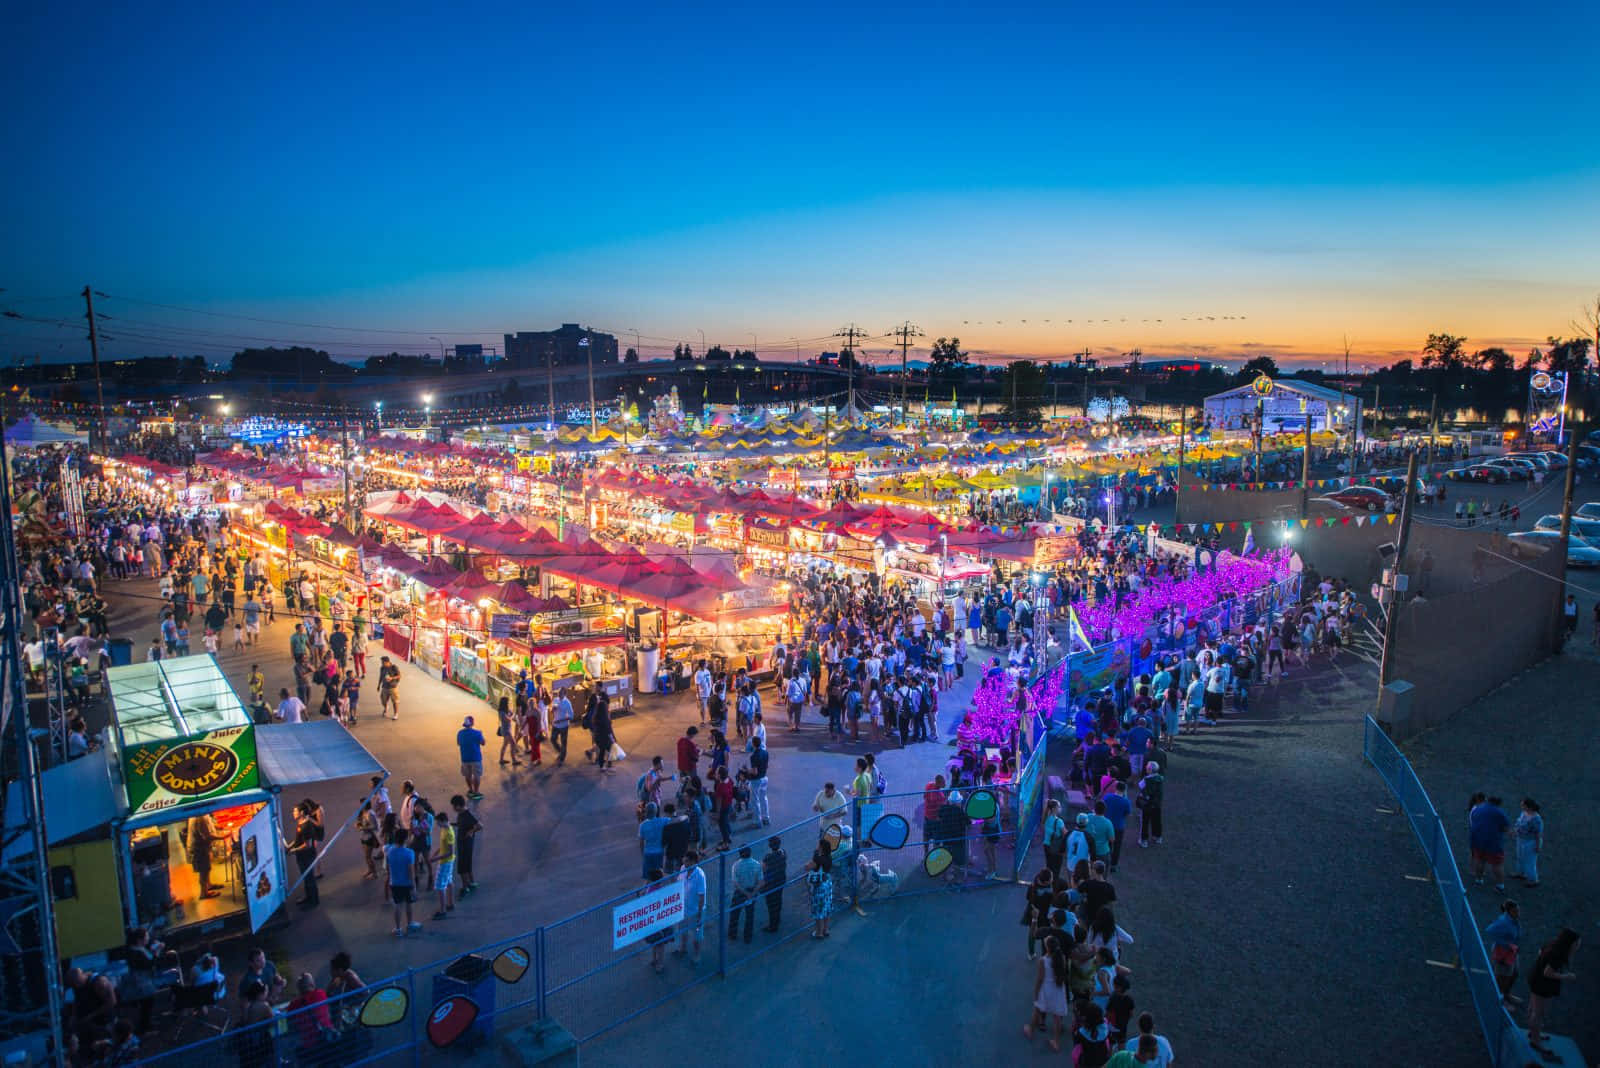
x=309, y=1012
x=932, y=800
x=688, y=752
x=722, y=799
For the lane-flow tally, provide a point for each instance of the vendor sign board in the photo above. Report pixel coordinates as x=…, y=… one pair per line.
x=161, y=775
x=652, y=912
x=1054, y=550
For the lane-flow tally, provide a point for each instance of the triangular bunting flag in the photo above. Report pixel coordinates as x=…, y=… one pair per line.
x=1305, y=524
x=1390, y=519
x=1247, y=525
x=1345, y=521
x=1233, y=526
x=1192, y=526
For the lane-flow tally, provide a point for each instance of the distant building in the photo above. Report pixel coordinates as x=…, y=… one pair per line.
x=537, y=349
x=1175, y=365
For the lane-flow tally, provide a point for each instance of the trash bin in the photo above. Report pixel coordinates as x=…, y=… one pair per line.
x=121, y=650
x=471, y=977
x=649, y=664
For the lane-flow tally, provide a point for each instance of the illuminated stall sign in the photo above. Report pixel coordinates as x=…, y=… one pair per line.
x=161, y=775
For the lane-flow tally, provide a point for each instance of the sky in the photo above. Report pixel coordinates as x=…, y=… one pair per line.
x=1034, y=179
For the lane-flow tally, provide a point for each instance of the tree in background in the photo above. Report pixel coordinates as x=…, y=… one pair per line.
x=1256, y=367
x=946, y=362
x=717, y=352
x=1447, y=352
x=1022, y=390
x=682, y=353
x=631, y=356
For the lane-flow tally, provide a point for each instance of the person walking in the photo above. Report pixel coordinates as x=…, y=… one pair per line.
x=1152, y=788
x=468, y=826
x=760, y=762
x=1505, y=936
x=746, y=887
x=691, y=928
x=600, y=731
x=1550, y=969
x=560, y=724
x=1049, y=993
x=1117, y=810
x=1529, y=836
x=506, y=731
x=400, y=881
x=819, y=889
x=1487, y=824
x=774, y=877
x=304, y=849
x=469, y=740
x=1055, y=838
x=388, y=689
x=444, y=860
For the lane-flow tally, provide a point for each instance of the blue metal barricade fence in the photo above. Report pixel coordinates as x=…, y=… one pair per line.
x=602, y=967
x=1030, y=797
x=1508, y=1045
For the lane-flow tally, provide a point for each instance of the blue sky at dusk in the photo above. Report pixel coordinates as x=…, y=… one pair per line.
x=1263, y=178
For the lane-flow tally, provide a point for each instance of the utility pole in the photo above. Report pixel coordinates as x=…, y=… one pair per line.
x=1566, y=532
x=1391, y=618
x=1086, y=361
x=905, y=332
x=594, y=422
x=1055, y=400
x=1355, y=407
x=94, y=351
x=1305, y=472
x=344, y=449
x=1433, y=428
x=1183, y=432
x=850, y=333
x=550, y=371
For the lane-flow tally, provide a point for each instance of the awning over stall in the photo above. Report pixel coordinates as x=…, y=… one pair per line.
x=293, y=754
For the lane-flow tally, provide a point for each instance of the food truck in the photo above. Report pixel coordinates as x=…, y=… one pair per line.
x=177, y=822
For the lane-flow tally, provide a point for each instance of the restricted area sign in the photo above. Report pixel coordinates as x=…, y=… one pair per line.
x=653, y=912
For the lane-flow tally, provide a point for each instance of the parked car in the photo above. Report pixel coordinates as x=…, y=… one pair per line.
x=1517, y=470
x=1584, y=526
x=1478, y=473
x=1580, y=553
x=1590, y=510
x=1361, y=498
x=1541, y=460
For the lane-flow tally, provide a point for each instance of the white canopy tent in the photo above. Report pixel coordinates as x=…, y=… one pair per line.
x=30, y=432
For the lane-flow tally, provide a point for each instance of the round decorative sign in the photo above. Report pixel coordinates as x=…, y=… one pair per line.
x=193, y=769
x=1262, y=385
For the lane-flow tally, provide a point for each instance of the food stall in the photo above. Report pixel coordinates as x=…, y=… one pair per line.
x=186, y=788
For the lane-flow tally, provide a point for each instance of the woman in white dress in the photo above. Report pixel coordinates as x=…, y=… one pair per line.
x=1049, y=993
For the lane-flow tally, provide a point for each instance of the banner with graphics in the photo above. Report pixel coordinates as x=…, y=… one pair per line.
x=161, y=775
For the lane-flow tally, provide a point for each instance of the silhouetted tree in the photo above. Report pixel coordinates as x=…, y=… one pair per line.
x=1257, y=366
x=631, y=356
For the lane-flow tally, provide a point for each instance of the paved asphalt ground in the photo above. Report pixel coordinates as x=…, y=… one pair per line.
x=1275, y=925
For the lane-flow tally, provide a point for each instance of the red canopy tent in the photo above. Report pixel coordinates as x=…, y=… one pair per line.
x=471, y=585
x=437, y=573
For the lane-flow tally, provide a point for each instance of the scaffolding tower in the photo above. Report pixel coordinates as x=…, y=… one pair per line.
x=30, y=979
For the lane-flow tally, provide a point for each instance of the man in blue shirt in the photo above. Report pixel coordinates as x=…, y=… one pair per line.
x=651, y=843
x=1136, y=740
x=1486, y=826
x=1117, y=807
x=470, y=741
x=400, y=862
